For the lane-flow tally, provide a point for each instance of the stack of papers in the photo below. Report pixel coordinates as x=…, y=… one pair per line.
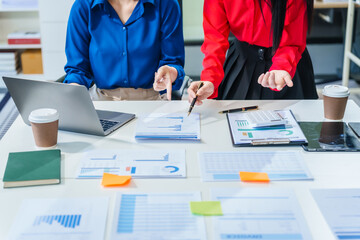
x=9, y=64
x=168, y=126
x=135, y=163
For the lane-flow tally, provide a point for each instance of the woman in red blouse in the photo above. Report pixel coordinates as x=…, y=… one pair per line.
x=268, y=58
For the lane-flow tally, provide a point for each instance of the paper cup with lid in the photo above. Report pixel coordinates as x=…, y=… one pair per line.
x=335, y=99
x=45, y=123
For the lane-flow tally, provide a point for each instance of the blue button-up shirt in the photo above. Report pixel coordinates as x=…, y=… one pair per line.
x=101, y=49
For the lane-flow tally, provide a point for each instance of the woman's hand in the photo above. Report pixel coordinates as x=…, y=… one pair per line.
x=276, y=79
x=164, y=78
x=204, y=92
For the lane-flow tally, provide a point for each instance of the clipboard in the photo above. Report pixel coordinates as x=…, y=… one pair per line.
x=242, y=135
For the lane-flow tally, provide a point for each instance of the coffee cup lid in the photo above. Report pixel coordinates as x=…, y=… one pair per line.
x=44, y=115
x=336, y=91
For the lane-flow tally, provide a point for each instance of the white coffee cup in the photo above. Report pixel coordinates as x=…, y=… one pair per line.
x=335, y=99
x=45, y=123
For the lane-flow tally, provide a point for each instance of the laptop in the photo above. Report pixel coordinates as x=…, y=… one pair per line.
x=76, y=110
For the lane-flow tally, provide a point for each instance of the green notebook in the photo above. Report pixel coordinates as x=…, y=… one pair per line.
x=32, y=168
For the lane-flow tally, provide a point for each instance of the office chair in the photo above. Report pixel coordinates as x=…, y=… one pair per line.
x=175, y=95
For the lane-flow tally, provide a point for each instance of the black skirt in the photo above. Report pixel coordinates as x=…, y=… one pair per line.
x=245, y=63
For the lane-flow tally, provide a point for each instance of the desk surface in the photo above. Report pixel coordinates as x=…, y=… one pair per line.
x=330, y=170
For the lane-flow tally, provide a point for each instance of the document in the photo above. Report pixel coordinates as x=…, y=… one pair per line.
x=136, y=163
x=226, y=166
x=341, y=210
x=244, y=135
x=157, y=216
x=59, y=219
x=168, y=126
x=259, y=214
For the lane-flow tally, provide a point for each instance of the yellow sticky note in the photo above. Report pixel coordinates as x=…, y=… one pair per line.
x=112, y=180
x=206, y=208
x=254, y=177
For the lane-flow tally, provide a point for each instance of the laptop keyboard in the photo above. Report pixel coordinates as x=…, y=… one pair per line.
x=106, y=124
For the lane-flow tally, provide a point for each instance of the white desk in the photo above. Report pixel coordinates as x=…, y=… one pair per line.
x=330, y=170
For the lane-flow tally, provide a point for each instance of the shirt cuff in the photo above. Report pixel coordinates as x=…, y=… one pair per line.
x=75, y=78
x=180, y=77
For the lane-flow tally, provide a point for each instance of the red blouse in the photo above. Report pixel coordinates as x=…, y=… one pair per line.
x=244, y=19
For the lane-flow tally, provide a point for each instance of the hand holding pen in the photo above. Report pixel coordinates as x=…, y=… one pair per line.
x=206, y=91
x=195, y=98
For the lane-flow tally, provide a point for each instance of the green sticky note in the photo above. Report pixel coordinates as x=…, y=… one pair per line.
x=206, y=208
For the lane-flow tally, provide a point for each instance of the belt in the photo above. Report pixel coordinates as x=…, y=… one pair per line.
x=261, y=53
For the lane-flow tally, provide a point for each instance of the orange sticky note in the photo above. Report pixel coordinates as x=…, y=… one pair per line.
x=112, y=180
x=254, y=177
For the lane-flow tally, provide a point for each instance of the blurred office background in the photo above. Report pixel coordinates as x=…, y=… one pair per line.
x=46, y=59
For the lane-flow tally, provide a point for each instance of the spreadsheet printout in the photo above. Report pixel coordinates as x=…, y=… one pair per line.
x=136, y=163
x=279, y=165
x=157, y=216
x=341, y=210
x=58, y=219
x=260, y=213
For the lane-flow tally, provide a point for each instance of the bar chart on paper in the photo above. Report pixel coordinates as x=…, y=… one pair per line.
x=57, y=219
x=66, y=221
x=168, y=126
x=157, y=216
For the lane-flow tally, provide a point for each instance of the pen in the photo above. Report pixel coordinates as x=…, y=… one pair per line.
x=194, y=100
x=243, y=109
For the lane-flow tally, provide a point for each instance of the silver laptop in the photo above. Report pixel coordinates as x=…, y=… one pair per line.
x=77, y=112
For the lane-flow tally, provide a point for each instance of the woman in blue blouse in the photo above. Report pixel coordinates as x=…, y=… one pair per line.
x=130, y=49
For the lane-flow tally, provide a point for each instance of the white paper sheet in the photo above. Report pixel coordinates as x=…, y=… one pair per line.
x=242, y=133
x=137, y=163
x=168, y=126
x=157, y=216
x=259, y=214
x=58, y=219
x=225, y=166
x=341, y=209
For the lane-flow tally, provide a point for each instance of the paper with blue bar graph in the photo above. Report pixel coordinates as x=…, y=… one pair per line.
x=279, y=165
x=341, y=209
x=168, y=126
x=58, y=219
x=150, y=216
x=136, y=163
x=244, y=135
x=259, y=213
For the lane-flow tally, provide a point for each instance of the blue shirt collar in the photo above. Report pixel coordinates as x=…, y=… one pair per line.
x=97, y=2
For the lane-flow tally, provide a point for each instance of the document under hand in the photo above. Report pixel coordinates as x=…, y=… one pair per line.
x=168, y=126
